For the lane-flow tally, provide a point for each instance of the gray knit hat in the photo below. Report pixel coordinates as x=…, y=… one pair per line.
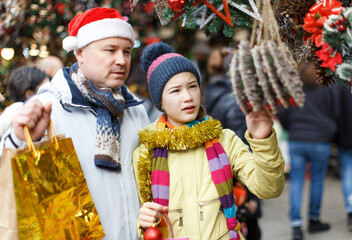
x=161, y=63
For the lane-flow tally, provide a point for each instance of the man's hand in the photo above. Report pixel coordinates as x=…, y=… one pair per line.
x=259, y=123
x=150, y=213
x=33, y=114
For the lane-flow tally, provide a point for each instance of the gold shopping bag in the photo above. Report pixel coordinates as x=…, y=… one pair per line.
x=52, y=198
x=8, y=215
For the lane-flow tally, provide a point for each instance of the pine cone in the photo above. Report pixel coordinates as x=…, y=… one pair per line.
x=320, y=75
x=346, y=3
x=295, y=9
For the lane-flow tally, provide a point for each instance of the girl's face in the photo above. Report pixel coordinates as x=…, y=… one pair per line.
x=181, y=98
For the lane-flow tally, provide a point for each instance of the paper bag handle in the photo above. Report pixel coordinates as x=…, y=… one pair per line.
x=30, y=141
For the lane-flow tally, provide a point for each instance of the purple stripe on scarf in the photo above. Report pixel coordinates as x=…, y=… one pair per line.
x=160, y=191
x=160, y=152
x=226, y=165
x=227, y=200
x=232, y=235
x=214, y=165
x=224, y=159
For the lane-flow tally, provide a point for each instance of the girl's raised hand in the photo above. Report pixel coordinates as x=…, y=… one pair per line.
x=259, y=123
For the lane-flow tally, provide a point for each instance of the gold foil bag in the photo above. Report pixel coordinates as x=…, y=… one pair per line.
x=52, y=197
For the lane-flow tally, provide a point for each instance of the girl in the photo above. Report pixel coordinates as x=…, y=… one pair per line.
x=185, y=162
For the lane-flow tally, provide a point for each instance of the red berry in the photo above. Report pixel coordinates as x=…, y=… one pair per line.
x=332, y=25
x=338, y=22
x=342, y=28
x=249, y=105
x=343, y=19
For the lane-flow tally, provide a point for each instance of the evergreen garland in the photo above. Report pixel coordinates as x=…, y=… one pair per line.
x=238, y=18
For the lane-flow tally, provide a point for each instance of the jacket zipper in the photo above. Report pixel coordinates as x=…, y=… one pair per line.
x=180, y=219
x=219, y=238
x=202, y=204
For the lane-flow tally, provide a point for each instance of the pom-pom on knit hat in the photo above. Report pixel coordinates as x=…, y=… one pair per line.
x=96, y=24
x=161, y=63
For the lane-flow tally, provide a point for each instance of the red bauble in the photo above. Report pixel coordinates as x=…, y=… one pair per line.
x=153, y=233
x=176, y=5
x=342, y=28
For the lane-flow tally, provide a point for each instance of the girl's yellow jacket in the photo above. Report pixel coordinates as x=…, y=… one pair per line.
x=194, y=205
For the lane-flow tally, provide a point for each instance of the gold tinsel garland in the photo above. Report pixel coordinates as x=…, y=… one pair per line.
x=173, y=139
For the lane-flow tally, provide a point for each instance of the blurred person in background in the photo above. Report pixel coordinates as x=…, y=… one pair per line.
x=137, y=83
x=50, y=65
x=22, y=84
x=311, y=131
x=344, y=145
x=221, y=104
x=219, y=100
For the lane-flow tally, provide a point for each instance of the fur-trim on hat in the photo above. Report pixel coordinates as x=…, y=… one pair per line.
x=96, y=24
x=161, y=63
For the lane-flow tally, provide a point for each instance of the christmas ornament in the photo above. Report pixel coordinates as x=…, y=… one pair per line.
x=176, y=5
x=331, y=41
x=265, y=71
x=237, y=85
x=317, y=16
x=247, y=72
x=263, y=81
x=153, y=233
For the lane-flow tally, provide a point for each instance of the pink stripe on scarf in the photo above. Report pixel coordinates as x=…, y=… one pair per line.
x=218, y=176
x=162, y=178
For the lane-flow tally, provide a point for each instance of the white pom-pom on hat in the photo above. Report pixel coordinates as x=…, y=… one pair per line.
x=69, y=43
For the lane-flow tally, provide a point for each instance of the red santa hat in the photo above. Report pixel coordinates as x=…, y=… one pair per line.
x=96, y=24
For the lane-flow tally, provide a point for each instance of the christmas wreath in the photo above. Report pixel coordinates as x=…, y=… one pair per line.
x=328, y=27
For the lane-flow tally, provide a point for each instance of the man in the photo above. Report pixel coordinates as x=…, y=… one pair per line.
x=89, y=103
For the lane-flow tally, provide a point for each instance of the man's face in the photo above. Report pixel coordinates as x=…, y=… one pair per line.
x=106, y=63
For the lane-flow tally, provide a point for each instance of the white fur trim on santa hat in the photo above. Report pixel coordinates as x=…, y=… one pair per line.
x=69, y=43
x=105, y=28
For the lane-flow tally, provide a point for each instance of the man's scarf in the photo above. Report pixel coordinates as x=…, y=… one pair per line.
x=109, y=107
x=221, y=173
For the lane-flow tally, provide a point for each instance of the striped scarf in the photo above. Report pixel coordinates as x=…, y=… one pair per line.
x=221, y=173
x=109, y=107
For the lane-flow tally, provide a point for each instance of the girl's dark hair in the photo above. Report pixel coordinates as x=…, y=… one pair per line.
x=23, y=79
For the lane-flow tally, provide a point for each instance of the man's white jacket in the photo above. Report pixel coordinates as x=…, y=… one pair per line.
x=114, y=193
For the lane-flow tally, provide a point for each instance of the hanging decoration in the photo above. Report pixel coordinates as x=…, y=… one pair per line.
x=290, y=15
x=215, y=15
x=328, y=27
x=264, y=69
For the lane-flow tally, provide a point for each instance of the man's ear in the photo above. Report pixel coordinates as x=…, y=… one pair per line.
x=79, y=55
x=28, y=93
